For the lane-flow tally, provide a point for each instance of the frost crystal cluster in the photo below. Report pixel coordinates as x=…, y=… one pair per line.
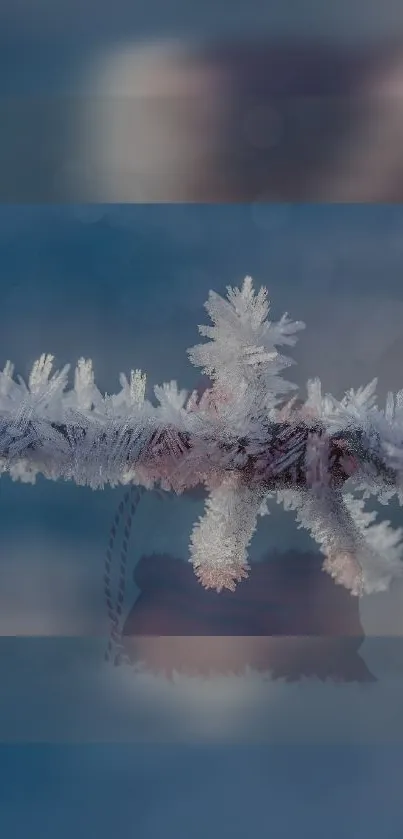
x=247, y=439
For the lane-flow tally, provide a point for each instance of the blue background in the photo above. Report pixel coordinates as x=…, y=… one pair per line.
x=126, y=286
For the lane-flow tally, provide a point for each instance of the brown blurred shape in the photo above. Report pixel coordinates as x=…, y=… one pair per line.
x=288, y=618
x=246, y=122
x=237, y=122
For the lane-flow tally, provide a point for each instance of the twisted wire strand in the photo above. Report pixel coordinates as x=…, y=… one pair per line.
x=128, y=505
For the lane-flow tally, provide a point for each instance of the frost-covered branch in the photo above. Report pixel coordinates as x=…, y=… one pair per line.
x=241, y=439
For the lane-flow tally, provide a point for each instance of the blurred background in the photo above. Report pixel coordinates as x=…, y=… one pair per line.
x=89, y=748
x=269, y=108
x=171, y=102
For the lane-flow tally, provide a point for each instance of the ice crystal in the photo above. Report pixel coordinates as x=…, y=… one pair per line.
x=244, y=439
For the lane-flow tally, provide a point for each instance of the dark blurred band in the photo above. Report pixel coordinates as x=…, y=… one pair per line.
x=246, y=123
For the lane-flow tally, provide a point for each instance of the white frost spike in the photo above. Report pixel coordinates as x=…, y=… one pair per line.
x=253, y=309
x=383, y=561
x=243, y=345
x=7, y=385
x=84, y=385
x=394, y=406
x=317, y=403
x=249, y=306
x=355, y=408
x=9, y=369
x=134, y=391
x=40, y=373
x=264, y=509
x=362, y=398
x=220, y=538
x=137, y=387
x=170, y=397
x=360, y=555
x=45, y=390
x=325, y=516
x=23, y=471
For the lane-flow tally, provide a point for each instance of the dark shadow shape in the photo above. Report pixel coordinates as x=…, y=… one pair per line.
x=288, y=617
